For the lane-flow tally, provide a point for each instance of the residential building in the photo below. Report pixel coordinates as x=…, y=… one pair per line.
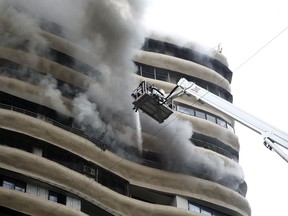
x=57, y=160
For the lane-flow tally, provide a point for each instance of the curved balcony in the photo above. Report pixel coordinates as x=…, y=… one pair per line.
x=166, y=48
x=40, y=168
x=130, y=151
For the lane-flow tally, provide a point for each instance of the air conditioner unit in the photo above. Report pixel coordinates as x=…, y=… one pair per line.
x=89, y=170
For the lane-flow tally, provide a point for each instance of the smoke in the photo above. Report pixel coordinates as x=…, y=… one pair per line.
x=17, y=29
x=198, y=48
x=111, y=31
x=172, y=139
x=53, y=95
x=101, y=114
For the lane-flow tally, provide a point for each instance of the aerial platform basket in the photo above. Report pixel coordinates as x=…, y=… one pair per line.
x=151, y=101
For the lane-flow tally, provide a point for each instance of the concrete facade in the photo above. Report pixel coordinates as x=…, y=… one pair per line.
x=51, y=166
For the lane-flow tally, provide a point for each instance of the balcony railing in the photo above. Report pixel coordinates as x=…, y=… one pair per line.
x=242, y=189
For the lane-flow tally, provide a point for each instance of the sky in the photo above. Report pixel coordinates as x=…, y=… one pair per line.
x=254, y=38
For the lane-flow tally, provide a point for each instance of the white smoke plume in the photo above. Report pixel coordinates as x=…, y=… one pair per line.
x=53, y=95
x=172, y=139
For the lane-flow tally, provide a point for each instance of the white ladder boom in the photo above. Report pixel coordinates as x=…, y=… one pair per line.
x=153, y=102
x=272, y=136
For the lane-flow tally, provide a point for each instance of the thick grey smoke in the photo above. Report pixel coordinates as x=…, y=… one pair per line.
x=111, y=31
x=17, y=29
x=172, y=138
x=53, y=95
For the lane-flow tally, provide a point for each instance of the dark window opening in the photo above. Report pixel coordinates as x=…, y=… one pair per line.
x=71, y=62
x=36, y=109
x=109, y=180
x=74, y=162
x=66, y=159
x=13, y=184
x=162, y=75
x=148, y=72
x=174, y=76
x=16, y=71
x=56, y=197
x=93, y=210
x=157, y=46
x=214, y=144
x=10, y=212
x=151, y=196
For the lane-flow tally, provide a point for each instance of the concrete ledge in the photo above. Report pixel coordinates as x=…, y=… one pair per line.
x=33, y=205
x=46, y=66
x=182, y=66
x=136, y=174
x=35, y=94
x=59, y=176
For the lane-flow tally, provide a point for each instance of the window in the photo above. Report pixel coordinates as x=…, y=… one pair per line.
x=161, y=74
x=21, y=189
x=37, y=151
x=173, y=79
x=57, y=197
x=14, y=185
x=200, y=114
x=211, y=118
x=148, y=71
x=174, y=76
x=73, y=203
x=139, y=71
x=112, y=181
x=20, y=186
x=8, y=184
x=53, y=196
x=221, y=123
x=193, y=207
x=89, y=170
x=206, y=211
x=230, y=128
x=186, y=110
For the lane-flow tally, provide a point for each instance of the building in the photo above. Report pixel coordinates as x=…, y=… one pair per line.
x=62, y=153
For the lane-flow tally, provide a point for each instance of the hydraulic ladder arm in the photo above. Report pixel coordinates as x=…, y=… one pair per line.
x=273, y=137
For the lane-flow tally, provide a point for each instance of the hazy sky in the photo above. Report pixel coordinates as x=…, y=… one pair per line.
x=256, y=31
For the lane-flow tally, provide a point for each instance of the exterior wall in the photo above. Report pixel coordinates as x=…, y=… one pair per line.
x=45, y=66
x=32, y=205
x=191, y=45
x=182, y=66
x=200, y=125
x=160, y=59
x=32, y=93
x=158, y=180
x=174, y=189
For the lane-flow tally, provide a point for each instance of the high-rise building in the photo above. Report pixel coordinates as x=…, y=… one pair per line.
x=71, y=143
